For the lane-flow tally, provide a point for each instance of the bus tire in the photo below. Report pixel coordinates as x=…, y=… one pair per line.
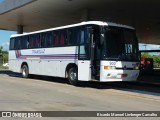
x=25, y=71
x=73, y=76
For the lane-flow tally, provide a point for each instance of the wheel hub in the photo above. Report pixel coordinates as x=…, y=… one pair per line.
x=73, y=75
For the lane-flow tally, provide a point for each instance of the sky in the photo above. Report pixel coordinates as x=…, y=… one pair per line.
x=1, y=1
x=148, y=47
x=5, y=37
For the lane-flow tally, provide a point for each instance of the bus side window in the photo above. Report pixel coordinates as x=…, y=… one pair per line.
x=34, y=41
x=46, y=40
x=69, y=42
x=12, y=42
x=37, y=41
x=30, y=42
x=53, y=38
x=42, y=40
x=24, y=42
x=63, y=37
x=56, y=38
x=17, y=43
x=77, y=37
x=73, y=36
x=49, y=39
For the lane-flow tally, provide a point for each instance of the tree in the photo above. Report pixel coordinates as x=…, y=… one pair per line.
x=3, y=55
x=146, y=55
x=1, y=48
x=157, y=59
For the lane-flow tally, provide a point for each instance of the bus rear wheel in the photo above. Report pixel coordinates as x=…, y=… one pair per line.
x=73, y=76
x=25, y=71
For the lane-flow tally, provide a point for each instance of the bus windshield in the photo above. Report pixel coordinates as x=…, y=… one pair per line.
x=120, y=44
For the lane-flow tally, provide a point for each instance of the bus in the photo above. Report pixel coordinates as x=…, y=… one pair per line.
x=86, y=51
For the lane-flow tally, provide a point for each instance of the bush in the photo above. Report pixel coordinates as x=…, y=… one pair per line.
x=3, y=68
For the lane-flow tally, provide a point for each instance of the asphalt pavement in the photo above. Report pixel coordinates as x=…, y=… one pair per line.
x=55, y=94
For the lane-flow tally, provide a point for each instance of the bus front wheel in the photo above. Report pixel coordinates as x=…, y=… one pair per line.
x=73, y=76
x=25, y=71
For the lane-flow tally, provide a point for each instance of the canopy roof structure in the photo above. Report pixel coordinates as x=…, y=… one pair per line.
x=32, y=15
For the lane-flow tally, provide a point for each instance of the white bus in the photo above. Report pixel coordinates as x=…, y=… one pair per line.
x=86, y=51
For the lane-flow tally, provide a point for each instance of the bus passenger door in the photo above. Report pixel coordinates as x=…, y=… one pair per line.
x=95, y=53
x=89, y=55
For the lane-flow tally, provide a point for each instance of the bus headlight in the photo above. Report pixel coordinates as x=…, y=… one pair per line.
x=109, y=67
x=136, y=68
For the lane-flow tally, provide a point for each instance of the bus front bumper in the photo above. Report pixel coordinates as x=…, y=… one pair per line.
x=119, y=75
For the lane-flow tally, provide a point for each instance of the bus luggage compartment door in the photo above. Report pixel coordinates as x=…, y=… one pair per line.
x=84, y=72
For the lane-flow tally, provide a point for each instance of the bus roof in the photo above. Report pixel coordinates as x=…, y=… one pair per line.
x=100, y=23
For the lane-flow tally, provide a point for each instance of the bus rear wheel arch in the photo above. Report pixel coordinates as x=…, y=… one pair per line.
x=25, y=70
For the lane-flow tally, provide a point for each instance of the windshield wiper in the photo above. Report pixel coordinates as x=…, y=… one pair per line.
x=121, y=56
x=118, y=58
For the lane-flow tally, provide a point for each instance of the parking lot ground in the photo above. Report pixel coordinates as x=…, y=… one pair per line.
x=55, y=94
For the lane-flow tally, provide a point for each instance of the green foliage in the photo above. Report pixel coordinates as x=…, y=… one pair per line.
x=146, y=55
x=3, y=68
x=3, y=57
x=157, y=59
x=1, y=48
